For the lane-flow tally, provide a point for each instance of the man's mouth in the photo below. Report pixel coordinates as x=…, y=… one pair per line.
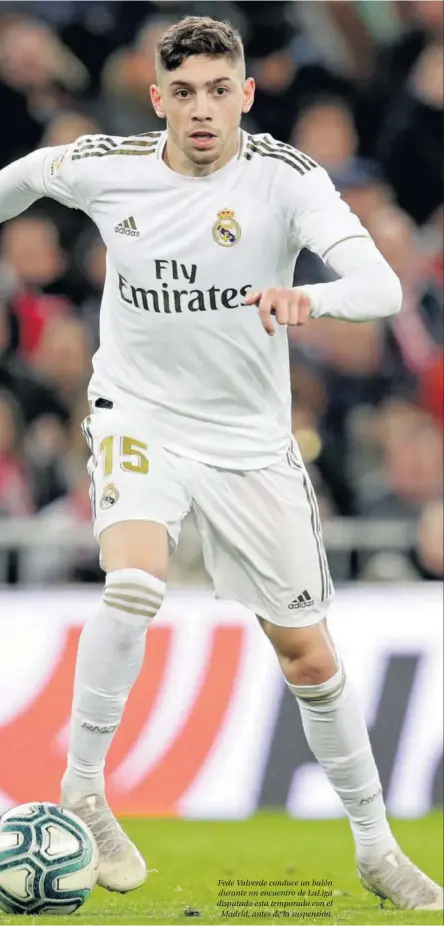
x=202, y=139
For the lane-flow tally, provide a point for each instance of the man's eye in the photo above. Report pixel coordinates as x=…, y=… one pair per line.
x=182, y=94
x=221, y=91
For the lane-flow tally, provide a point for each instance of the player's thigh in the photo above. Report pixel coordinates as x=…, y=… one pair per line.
x=135, y=545
x=138, y=496
x=263, y=542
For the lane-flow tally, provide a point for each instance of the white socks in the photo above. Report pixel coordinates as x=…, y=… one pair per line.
x=338, y=737
x=109, y=658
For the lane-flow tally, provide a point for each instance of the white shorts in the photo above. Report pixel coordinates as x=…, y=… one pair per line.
x=260, y=529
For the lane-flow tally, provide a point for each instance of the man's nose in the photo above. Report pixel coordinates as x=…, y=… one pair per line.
x=202, y=107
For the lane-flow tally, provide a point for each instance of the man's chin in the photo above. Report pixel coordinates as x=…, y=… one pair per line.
x=204, y=157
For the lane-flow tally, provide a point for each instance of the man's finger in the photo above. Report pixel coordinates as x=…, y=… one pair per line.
x=253, y=298
x=282, y=309
x=294, y=308
x=304, y=310
x=265, y=309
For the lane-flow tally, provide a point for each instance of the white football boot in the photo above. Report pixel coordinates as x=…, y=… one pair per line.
x=121, y=867
x=394, y=877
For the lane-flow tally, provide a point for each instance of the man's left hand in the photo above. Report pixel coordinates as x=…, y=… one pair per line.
x=289, y=306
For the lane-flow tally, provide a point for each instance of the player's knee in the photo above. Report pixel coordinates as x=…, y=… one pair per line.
x=306, y=655
x=312, y=669
x=132, y=596
x=141, y=545
x=320, y=695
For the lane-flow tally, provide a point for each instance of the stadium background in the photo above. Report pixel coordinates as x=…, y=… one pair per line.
x=359, y=87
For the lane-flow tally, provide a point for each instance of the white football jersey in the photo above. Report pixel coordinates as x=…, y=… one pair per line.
x=178, y=344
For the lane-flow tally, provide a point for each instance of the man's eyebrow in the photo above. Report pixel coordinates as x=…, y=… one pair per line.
x=209, y=83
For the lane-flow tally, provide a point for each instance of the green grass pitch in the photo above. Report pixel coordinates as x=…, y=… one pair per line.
x=190, y=857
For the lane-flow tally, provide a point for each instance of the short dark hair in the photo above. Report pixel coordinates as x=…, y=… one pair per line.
x=198, y=35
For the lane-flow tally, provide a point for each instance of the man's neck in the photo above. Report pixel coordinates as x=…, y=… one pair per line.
x=176, y=160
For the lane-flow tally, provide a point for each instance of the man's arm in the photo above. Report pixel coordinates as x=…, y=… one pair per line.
x=368, y=288
x=323, y=223
x=45, y=172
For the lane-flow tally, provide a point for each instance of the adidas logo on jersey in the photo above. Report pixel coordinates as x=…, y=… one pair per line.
x=302, y=601
x=128, y=227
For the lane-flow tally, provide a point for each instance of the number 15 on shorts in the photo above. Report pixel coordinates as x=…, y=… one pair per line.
x=130, y=452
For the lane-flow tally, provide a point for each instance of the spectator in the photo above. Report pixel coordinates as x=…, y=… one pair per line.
x=286, y=78
x=411, y=466
x=325, y=131
x=66, y=127
x=126, y=80
x=15, y=494
x=63, y=358
x=30, y=248
x=89, y=264
x=362, y=188
x=414, y=338
x=33, y=396
x=37, y=75
x=62, y=564
x=411, y=489
x=400, y=110
x=31, y=256
x=411, y=143
x=430, y=547
x=431, y=390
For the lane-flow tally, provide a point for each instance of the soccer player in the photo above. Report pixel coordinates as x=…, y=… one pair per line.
x=190, y=409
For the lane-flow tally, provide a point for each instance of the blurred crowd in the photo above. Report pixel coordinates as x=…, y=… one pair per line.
x=356, y=85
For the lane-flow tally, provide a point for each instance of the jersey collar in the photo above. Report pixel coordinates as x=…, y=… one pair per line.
x=177, y=179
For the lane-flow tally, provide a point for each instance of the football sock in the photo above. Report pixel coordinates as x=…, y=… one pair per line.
x=109, y=658
x=337, y=735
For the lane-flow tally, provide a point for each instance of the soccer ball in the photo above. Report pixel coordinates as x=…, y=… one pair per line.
x=48, y=860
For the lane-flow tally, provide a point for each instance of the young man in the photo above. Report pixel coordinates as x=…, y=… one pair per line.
x=190, y=408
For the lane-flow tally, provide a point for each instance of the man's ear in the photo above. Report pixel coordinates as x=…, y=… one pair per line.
x=156, y=100
x=248, y=94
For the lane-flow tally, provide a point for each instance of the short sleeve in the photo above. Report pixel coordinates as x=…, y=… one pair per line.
x=320, y=218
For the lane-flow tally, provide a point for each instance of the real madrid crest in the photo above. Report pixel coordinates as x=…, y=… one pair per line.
x=109, y=496
x=226, y=229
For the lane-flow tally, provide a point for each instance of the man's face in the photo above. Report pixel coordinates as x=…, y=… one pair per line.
x=202, y=102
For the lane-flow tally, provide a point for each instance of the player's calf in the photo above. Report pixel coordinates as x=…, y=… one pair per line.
x=110, y=655
x=335, y=731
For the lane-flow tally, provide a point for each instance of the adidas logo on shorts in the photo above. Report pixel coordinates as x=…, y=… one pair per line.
x=128, y=227
x=302, y=601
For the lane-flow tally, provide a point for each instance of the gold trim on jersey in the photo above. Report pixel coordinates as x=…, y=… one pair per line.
x=93, y=146
x=92, y=463
x=155, y=134
x=95, y=141
x=347, y=238
x=270, y=148
x=105, y=146
x=140, y=142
